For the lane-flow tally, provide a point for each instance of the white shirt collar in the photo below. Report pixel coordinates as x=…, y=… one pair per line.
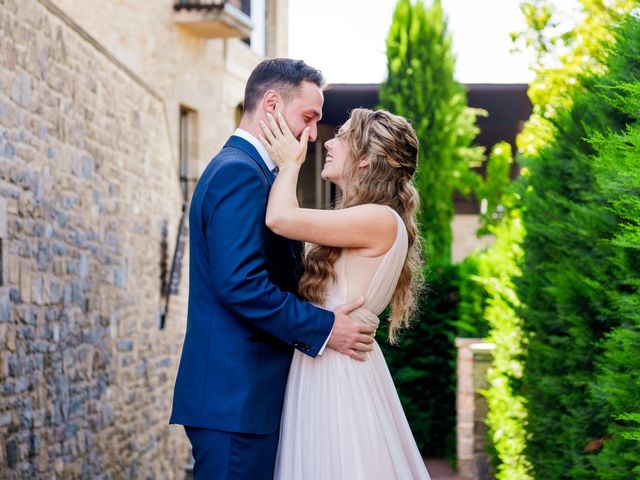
x=266, y=158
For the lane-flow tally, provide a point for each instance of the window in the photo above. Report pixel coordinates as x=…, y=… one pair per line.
x=257, y=11
x=188, y=150
x=258, y=40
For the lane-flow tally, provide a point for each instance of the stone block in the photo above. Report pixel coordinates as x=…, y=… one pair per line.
x=6, y=419
x=124, y=345
x=11, y=453
x=5, y=306
x=25, y=281
x=3, y=218
x=13, y=268
x=465, y=417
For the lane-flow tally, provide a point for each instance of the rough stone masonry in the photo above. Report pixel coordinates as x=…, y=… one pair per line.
x=90, y=198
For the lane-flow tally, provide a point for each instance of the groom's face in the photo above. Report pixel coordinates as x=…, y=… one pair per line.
x=303, y=109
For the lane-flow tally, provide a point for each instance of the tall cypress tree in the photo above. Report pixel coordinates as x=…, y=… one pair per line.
x=421, y=87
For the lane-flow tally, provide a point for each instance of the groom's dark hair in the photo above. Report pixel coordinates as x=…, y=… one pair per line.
x=284, y=75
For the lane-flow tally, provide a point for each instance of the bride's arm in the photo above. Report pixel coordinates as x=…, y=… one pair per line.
x=369, y=227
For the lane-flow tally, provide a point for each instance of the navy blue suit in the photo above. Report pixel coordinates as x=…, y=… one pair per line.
x=244, y=318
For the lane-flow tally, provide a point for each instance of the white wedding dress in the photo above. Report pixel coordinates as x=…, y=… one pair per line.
x=342, y=419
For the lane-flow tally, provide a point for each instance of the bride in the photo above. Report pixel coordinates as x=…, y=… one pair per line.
x=342, y=419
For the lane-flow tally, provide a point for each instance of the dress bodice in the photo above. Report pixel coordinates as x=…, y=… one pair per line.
x=373, y=278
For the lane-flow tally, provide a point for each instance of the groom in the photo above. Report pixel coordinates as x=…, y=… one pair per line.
x=244, y=316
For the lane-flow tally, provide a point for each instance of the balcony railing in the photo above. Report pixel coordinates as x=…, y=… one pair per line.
x=243, y=5
x=215, y=18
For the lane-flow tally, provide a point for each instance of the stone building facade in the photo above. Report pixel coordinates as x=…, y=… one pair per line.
x=108, y=113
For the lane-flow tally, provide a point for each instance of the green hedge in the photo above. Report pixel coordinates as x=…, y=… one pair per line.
x=616, y=167
x=579, y=281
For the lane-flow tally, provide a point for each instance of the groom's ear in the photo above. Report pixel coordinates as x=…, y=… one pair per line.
x=270, y=101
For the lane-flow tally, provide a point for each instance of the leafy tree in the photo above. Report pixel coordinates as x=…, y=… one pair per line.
x=566, y=44
x=420, y=86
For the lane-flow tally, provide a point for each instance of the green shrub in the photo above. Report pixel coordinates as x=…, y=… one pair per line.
x=616, y=167
x=575, y=278
x=490, y=295
x=499, y=268
x=470, y=322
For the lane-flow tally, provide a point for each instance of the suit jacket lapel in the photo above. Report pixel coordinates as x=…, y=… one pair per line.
x=240, y=143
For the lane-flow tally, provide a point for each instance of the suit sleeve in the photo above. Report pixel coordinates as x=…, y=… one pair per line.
x=234, y=211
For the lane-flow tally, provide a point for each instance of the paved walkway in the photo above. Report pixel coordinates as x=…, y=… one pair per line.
x=439, y=469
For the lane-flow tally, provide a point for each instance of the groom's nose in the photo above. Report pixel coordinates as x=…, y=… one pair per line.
x=313, y=131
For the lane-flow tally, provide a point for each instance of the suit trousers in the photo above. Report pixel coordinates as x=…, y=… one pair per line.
x=232, y=456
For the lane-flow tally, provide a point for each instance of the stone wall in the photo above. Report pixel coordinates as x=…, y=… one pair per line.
x=206, y=75
x=89, y=183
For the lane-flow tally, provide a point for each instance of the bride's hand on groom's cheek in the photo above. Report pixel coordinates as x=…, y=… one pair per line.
x=281, y=144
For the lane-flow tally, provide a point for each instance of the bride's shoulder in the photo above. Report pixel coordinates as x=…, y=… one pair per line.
x=375, y=212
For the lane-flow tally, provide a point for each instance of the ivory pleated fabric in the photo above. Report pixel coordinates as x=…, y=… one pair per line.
x=342, y=419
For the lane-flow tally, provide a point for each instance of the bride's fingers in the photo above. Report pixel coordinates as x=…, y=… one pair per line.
x=264, y=142
x=275, y=128
x=267, y=133
x=284, y=127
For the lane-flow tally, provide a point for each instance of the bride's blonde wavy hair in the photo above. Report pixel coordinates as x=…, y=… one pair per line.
x=390, y=145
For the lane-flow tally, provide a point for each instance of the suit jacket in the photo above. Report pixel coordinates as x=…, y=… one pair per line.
x=244, y=317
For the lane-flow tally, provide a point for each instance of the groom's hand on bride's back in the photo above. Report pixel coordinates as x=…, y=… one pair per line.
x=348, y=336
